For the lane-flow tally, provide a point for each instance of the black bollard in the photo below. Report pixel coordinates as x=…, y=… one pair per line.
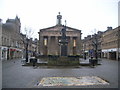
x=34, y=62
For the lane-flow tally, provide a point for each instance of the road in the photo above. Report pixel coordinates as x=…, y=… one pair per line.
x=17, y=76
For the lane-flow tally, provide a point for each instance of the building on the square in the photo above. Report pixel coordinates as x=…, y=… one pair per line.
x=32, y=47
x=36, y=44
x=111, y=43
x=11, y=43
x=3, y=48
x=108, y=44
x=92, y=43
x=28, y=44
x=49, y=39
x=22, y=44
x=87, y=45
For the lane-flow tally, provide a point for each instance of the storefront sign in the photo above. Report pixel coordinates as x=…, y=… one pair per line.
x=110, y=50
x=12, y=49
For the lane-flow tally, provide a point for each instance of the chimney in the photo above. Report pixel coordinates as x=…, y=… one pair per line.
x=109, y=28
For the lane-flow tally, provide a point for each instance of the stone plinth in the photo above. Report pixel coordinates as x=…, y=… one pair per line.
x=63, y=60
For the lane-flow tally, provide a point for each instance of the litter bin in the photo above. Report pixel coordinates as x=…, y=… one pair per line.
x=93, y=62
x=99, y=62
x=33, y=60
x=23, y=61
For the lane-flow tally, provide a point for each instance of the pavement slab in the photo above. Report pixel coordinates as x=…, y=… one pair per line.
x=72, y=81
x=14, y=75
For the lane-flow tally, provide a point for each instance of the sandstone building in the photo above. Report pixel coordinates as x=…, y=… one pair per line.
x=29, y=44
x=108, y=44
x=90, y=42
x=111, y=43
x=11, y=44
x=50, y=37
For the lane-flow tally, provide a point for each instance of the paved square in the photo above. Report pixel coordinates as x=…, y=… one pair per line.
x=72, y=81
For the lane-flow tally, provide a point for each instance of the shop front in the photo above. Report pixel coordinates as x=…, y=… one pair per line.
x=110, y=53
x=3, y=52
x=15, y=53
x=12, y=53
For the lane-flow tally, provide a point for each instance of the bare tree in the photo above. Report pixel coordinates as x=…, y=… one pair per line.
x=96, y=43
x=25, y=38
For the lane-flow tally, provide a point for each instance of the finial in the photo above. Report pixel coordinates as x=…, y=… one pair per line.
x=59, y=13
x=65, y=22
x=16, y=16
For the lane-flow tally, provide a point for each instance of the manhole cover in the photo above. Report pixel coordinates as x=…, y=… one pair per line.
x=72, y=81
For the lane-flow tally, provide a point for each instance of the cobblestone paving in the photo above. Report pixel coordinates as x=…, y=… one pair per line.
x=14, y=75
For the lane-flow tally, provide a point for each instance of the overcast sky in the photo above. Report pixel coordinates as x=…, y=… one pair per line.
x=87, y=15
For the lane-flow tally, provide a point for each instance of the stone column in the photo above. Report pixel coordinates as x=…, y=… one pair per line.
x=41, y=42
x=57, y=46
x=68, y=46
x=71, y=46
x=78, y=45
x=49, y=45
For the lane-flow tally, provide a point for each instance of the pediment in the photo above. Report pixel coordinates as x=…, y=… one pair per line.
x=58, y=28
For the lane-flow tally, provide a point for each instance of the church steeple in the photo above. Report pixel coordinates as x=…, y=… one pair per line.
x=59, y=17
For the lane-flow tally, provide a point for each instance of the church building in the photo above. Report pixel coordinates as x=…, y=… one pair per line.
x=49, y=39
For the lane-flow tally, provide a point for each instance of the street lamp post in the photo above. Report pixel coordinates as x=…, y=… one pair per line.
x=26, y=50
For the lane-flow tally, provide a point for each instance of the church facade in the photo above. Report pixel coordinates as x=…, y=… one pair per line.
x=49, y=39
